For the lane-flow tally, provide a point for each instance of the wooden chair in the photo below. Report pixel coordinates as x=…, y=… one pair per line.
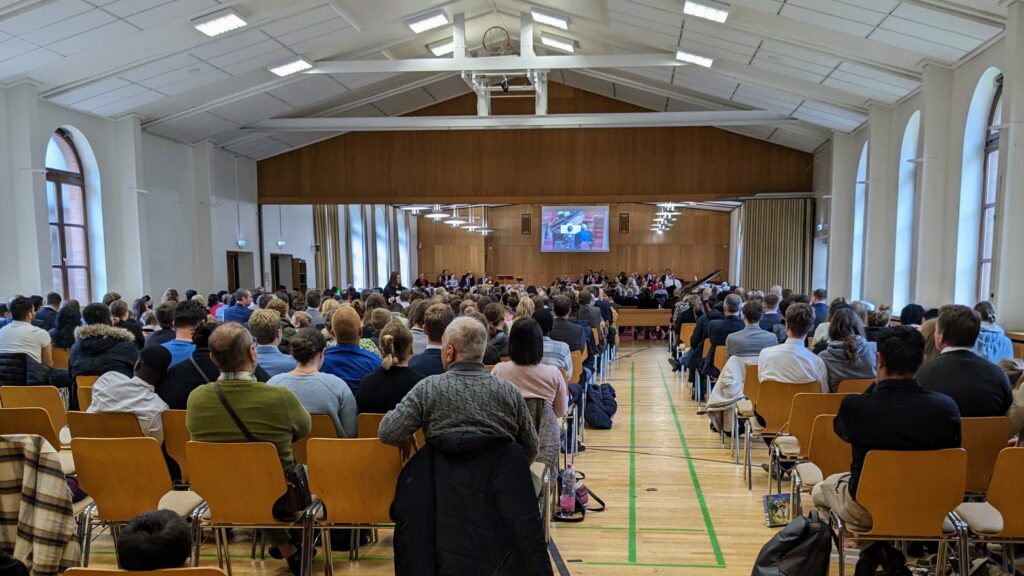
x=60, y=357
x=910, y=495
x=720, y=357
x=323, y=427
x=125, y=477
x=85, y=384
x=369, y=424
x=827, y=454
x=983, y=439
x=45, y=397
x=216, y=468
x=792, y=446
x=1000, y=518
x=744, y=412
x=489, y=367
x=176, y=437
x=35, y=421
x=104, y=425
x=773, y=403
x=855, y=385
x=505, y=358
x=699, y=381
x=686, y=332
x=577, y=365
x=202, y=571
x=355, y=480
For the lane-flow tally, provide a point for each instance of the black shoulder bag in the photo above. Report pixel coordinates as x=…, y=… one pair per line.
x=296, y=498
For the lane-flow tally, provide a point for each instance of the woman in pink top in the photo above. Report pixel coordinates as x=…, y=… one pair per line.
x=542, y=386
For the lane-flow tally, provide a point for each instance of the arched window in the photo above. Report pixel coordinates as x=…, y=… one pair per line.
x=990, y=192
x=66, y=206
x=860, y=202
x=905, y=201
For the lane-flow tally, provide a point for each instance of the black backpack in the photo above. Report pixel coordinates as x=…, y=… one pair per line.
x=803, y=547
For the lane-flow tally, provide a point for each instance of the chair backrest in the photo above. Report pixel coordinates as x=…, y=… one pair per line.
x=827, y=450
x=775, y=399
x=983, y=438
x=1004, y=491
x=355, y=478
x=45, y=397
x=855, y=385
x=505, y=358
x=577, y=363
x=751, y=382
x=368, y=425
x=323, y=427
x=28, y=421
x=125, y=476
x=61, y=357
x=909, y=494
x=705, y=348
x=176, y=436
x=719, y=361
x=805, y=409
x=489, y=367
x=686, y=332
x=86, y=381
x=197, y=571
x=104, y=425
x=217, y=467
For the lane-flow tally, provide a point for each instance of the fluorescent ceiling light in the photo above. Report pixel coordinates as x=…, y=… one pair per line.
x=219, y=22
x=550, y=18
x=707, y=9
x=428, y=21
x=558, y=43
x=694, y=59
x=291, y=67
x=442, y=47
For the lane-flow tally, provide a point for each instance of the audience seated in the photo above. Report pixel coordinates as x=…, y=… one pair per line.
x=849, y=354
x=979, y=387
x=116, y=392
x=270, y=413
x=164, y=333
x=239, y=311
x=878, y=322
x=819, y=303
x=187, y=315
x=556, y=353
x=379, y=318
x=346, y=359
x=382, y=389
x=928, y=333
x=318, y=392
x=22, y=337
x=155, y=540
x=69, y=318
x=287, y=328
x=120, y=315
x=101, y=347
x=772, y=317
x=436, y=319
x=894, y=414
x=46, y=317
x=791, y=362
x=993, y=344
x=495, y=314
x=752, y=338
x=415, y=314
x=313, y=301
x=912, y=315
x=592, y=315
x=265, y=326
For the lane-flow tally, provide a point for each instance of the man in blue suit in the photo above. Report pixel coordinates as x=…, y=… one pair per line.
x=239, y=311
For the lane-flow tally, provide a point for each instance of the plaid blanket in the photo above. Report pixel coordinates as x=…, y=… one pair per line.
x=36, y=519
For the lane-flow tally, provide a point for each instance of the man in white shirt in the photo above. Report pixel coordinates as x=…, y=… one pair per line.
x=792, y=362
x=21, y=337
x=115, y=392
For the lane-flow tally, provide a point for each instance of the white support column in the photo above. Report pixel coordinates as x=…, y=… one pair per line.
x=202, y=206
x=880, y=217
x=459, y=36
x=483, y=102
x=127, y=268
x=934, y=280
x=24, y=197
x=845, y=155
x=540, y=86
x=1010, y=274
x=526, y=34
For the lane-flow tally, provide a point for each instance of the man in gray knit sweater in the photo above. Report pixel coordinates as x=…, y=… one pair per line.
x=465, y=397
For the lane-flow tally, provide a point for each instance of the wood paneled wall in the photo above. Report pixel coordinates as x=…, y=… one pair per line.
x=531, y=166
x=696, y=245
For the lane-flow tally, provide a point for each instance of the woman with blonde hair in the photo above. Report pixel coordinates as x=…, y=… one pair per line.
x=523, y=310
x=928, y=333
x=382, y=390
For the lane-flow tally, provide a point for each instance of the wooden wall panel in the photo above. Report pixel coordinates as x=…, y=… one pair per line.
x=530, y=166
x=696, y=245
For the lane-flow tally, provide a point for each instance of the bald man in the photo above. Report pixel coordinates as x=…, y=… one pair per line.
x=346, y=359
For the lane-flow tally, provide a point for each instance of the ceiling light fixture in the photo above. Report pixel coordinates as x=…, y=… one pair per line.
x=292, y=67
x=694, y=59
x=428, y=21
x=550, y=18
x=415, y=208
x=455, y=221
x=707, y=9
x=437, y=214
x=442, y=47
x=558, y=42
x=219, y=22
x=471, y=224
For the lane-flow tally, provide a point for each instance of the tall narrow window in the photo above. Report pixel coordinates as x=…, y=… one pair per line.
x=383, y=251
x=989, y=195
x=403, y=247
x=860, y=202
x=905, y=201
x=65, y=201
x=355, y=215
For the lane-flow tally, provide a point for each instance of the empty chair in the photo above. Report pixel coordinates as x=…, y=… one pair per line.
x=368, y=424
x=45, y=397
x=322, y=427
x=827, y=454
x=983, y=438
x=1000, y=518
x=773, y=403
x=793, y=444
x=104, y=425
x=855, y=385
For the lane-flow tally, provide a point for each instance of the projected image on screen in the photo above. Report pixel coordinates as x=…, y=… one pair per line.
x=574, y=229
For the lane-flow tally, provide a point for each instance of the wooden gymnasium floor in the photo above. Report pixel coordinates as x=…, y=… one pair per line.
x=677, y=504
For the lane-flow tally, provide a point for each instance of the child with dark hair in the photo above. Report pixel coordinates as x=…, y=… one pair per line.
x=155, y=540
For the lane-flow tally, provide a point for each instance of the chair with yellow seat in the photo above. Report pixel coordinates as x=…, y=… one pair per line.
x=176, y=437
x=45, y=397
x=323, y=427
x=791, y=445
x=827, y=454
x=200, y=571
x=60, y=357
x=773, y=403
x=35, y=421
x=354, y=479
x=125, y=477
x=983, y=439
x=743, y=412
x=1000, y=518
x=85, y=384
x=368, y=424
x=215, y=468
x=911, y=496
x=855, y=385
x=103, y=425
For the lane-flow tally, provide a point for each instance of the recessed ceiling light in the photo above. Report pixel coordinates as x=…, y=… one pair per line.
x=442, y=47
x=707, y=9
x=292, y=67
x=558, y=42
x=219, y=22
x=694, y=59
x=428, y=21
x=550, y=18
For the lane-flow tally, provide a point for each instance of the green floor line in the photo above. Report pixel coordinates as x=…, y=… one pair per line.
x=582, y=527
x=632, y=462
x=719, y=558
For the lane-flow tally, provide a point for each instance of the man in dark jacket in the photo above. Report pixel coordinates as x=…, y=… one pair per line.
x=820, y=306
x=46, y=317
x=240, y=311
x=100, y=347
x=979, y=387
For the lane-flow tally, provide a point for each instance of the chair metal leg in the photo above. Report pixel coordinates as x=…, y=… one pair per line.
x=227, y=550
x=748, y=459
x=325, y=538
x=736, y=434
x=353, y=549
x=255, y=537
x=220, y=551
x=941, y=560
x=796, y=508
x=85, y=534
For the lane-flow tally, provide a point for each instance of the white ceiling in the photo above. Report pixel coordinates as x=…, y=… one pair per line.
x=821, y=62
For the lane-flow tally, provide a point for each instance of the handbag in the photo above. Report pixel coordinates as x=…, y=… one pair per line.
x=290, y=506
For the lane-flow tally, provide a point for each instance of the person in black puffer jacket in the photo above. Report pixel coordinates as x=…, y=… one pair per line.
x=100, y=348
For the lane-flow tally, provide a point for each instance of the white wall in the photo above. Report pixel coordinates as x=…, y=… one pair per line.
x=294, y=225
x=168, y=214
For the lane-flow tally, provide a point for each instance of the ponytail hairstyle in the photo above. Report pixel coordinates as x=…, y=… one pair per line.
x=395, y=344
x=845, y=327
x=987, y=311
